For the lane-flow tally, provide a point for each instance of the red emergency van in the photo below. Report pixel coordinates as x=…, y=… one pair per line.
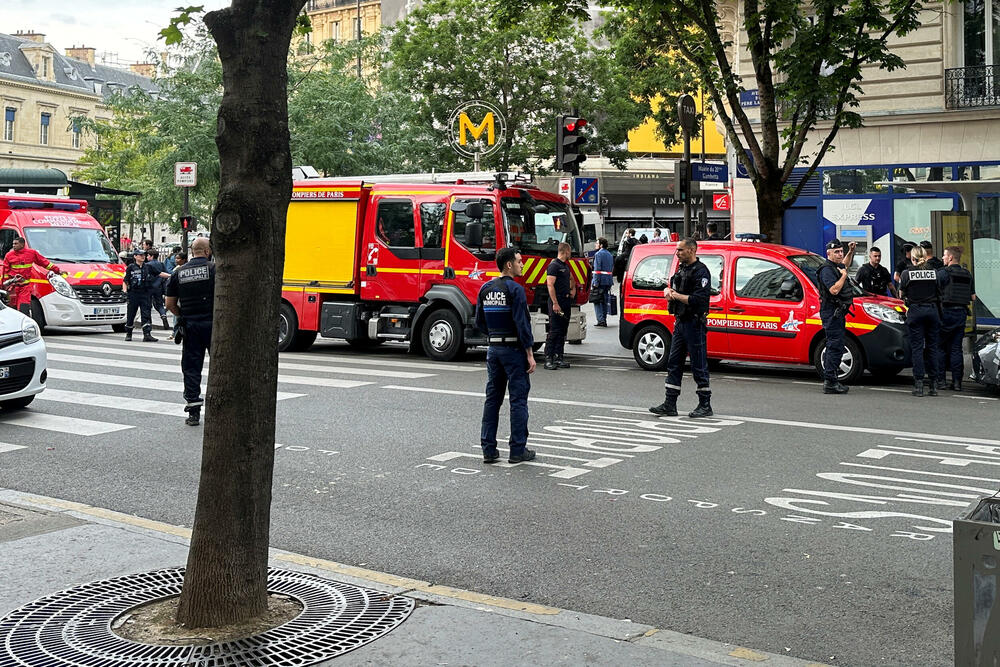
x=764, y=307
x=61, y=230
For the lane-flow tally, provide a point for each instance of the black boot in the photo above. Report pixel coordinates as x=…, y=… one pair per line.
x=704, y=408
x=834, y=388
x=550, y=364
x=560, y=363
x=957, y=382
x=194, y=414
x=147, y=337
x=932, y=389
x=166, y=325
x=918, y=388
x=668, y=408
x=128, y=334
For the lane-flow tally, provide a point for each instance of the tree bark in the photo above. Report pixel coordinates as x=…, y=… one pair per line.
x=770, y=208
x=226, y=578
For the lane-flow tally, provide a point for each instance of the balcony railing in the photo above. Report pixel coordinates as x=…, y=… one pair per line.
x=968, y=87
x=319, y=5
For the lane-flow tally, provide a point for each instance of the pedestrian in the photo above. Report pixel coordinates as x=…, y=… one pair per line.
x=15, y=274
x=835, y=300
x=180, y=259
x=138, y=283
x=502, y=312
x=562, y=292
x=958, y=295
x=932, y=261
x=172, y=259
x=713, y=232
x=154, y=263
x=873, y=277
x=905, y=262
x=191, y=296
x=688, y=294
x=657, y=237
x=600, y=289
x=643, y=239
x=921, y=287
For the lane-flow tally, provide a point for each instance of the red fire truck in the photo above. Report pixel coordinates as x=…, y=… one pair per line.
x=403, y=258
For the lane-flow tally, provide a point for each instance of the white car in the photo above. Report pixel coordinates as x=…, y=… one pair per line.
x=22, y=359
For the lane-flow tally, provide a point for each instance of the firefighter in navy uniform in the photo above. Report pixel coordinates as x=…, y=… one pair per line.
x=921, y=285
x=958, y=294
x=190, y=296
x=138, y=283
x=688, y=294
x=835, y=301
x=502, y=312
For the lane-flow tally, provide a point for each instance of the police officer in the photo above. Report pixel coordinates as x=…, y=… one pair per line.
x=921, y=287
x=905, y=262
x=932, y=261
x=562, y=291
x=190, y=296
x=153, y=260
x=602, y=282
x=688, y=294
x=835, y=301
x=873, y=277
x=138, y=283
x=502, y=312
x=958, y=294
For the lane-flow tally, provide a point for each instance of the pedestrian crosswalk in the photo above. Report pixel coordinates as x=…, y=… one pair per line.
x=99, y=384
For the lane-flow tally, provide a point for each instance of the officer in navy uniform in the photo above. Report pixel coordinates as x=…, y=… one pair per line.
x=138, y=283
x=921, y=286
x=190, y=296
x=958, y=294
x=502, y=312
x=688, y=294
x=562, y=291
x=932, y=261
x=835, y=300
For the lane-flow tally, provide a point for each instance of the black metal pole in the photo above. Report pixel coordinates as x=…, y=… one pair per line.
x=187, y=209
x=359, y=38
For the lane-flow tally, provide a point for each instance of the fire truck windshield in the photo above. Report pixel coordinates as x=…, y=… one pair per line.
x=74, y=245
x=537, y=228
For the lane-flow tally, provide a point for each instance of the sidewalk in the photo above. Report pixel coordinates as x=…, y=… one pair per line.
x=47, y=545
x=600, y=341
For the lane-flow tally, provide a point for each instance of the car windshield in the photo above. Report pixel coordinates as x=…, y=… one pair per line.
x=810, y=266
x=74, y=245
x=537, y=228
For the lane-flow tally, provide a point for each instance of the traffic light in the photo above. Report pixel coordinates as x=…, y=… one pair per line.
x=682, y=181
x=187, y=222
x=569, y=144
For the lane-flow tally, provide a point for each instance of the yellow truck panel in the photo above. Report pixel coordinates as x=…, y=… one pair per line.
x=321, y=243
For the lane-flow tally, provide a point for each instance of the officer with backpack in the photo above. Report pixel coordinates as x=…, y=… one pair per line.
x=958, y=294
x=921, y=286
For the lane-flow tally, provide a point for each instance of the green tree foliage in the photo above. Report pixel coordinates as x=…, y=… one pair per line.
x=455, y=51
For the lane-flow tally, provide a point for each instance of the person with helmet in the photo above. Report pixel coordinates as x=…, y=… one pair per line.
x=15, y=274
x=920, y=286
x=835, y=301
x=958, y=294
x=502, y=312
x=138, y=283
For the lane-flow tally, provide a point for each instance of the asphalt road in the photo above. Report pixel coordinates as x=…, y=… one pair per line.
x=808, y=525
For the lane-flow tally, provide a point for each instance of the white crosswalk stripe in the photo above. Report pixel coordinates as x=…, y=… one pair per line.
x=114, y=402
x=132, y=381
x=6, y=447
x=47, y=422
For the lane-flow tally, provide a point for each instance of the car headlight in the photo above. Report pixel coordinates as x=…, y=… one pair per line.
x=30, y=332
x=995, y=335
x=884, y=313
x=62, y=287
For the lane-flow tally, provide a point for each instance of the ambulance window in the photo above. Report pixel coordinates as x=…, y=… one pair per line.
x=394, y=224
x=7, y=237
x=761, y=279
x=488, y=248
x=652, y=272
x=432, y=224
x=714, y=264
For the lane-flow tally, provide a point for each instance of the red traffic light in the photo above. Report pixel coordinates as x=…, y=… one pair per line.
x=574, y=124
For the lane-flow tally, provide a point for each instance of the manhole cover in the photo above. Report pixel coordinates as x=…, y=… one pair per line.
x=73, y=628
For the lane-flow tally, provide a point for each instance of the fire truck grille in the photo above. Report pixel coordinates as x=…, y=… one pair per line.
x=94, y=296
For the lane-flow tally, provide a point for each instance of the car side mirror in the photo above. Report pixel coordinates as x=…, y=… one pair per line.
x=474, y=231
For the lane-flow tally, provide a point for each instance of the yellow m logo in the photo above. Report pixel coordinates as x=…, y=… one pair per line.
x=466, y=125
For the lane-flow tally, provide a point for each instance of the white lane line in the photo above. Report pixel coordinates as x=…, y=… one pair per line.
x=73, y=425
x=132, y=381
x=562, y=472
x=921, y=472
x=365, y=361
x=895, y=391
x=163, y=368
x=737, y=377
x=602, y=462
x=5, y=447
x=738, y=418
x=113, y=402
x=975, y=398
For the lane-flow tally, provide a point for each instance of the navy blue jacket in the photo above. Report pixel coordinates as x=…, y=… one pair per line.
x=503, y=312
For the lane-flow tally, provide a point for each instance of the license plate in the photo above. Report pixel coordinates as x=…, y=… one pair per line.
x=106, y=311
x=4, y=372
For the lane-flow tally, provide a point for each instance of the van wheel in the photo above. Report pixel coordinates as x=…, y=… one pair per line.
x=650, y=347
x=443, y=335
x=290, y=339
x=17, y=403
x=852, y=364
x=37, y=314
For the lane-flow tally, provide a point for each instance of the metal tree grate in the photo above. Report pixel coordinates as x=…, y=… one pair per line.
x=72, y=628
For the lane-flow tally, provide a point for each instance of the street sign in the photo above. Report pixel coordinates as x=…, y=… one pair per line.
x=185, y=174
x=741, y=171
x=565, y=187
x=711, y=173
x=586, y=191
x=749, y=98
x=721, y=202
x=687, y=112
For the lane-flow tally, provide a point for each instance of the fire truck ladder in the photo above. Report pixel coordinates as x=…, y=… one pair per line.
x=450, y=178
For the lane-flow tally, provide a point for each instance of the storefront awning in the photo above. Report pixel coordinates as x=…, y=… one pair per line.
x=20, y=179
x=85, y=190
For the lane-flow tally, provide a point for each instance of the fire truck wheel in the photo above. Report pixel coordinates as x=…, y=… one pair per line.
x=289, y=336
x=442, y=337
x=650, y=347
x=852, y=364
x=37, y=314
x=17, y=403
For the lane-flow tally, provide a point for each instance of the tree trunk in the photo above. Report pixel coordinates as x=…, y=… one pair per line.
x=226, y=579
x=770, y=211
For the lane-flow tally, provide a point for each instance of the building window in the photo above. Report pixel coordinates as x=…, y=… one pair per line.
x=854, y=181
x=43, y=134
x=76, y=132
x=8, y=123
x=981, y=33
x=335, y=31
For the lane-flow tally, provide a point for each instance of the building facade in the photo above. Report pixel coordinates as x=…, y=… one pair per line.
x=342, y=20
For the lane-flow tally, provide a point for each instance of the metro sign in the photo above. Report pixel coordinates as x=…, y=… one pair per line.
x=721, y=202
x=477, y=128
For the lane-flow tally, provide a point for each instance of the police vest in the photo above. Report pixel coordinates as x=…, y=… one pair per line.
x=687, y=281
x=922, y=285
x=139, y=278
x=828, y=298
x=958, y=292
x=497, y=305
x=196, y=288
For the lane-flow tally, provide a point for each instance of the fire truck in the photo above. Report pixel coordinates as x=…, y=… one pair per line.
x=402, y=258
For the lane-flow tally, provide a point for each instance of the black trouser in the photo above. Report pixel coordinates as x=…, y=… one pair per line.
x=555, y=341
x=139, y=300
x=158, y=301
x=197, y=340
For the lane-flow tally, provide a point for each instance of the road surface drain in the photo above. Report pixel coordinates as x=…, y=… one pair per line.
x=72, y=628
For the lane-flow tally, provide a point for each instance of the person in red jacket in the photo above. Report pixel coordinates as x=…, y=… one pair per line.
x=15, y=274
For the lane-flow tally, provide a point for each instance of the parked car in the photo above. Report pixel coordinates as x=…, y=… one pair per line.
x=986, y=360
x=22, y=359
x=764, y=307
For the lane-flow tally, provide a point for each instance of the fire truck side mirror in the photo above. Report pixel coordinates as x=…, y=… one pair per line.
x=459, y=206
x=474, y=232
x=474, y=210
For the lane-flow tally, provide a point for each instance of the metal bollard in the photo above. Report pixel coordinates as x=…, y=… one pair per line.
x=976, y=543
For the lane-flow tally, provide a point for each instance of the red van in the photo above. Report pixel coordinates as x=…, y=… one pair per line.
x=764, y=307
x=64, y=233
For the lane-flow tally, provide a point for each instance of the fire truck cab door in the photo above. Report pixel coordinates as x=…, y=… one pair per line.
x=432, y=214
x=470, y=267
x=390, y=255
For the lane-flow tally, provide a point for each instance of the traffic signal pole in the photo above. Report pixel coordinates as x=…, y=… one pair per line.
x=687, y=114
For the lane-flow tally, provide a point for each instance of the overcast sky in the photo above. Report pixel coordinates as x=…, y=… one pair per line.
x=127, y=29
